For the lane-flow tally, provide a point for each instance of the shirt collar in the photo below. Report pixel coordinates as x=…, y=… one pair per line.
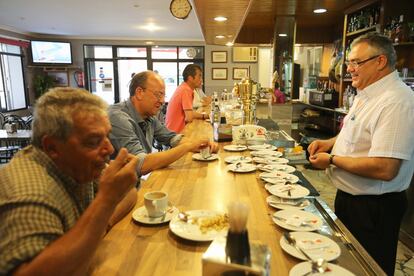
x=377, y=88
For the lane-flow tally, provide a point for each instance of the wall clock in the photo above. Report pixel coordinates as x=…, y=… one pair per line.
x=180, y=8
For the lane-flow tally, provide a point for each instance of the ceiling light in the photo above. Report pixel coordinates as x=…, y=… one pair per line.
x=149, y=42
x=319, y=10
x=220, y=36
x=220, y=18
x=151, y=27
x=229, y=44
x=282, y=35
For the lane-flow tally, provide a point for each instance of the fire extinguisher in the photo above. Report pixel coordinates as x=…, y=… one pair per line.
x=78, y=76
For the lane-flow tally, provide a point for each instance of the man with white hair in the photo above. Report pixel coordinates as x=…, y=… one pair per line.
x=58, y=196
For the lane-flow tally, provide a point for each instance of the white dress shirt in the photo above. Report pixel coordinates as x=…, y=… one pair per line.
x=379, y=124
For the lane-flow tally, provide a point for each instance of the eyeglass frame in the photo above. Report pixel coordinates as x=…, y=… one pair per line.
x=356, y=64
x=158, y=94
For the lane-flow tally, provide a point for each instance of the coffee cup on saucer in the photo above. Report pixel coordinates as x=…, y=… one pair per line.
x=205, y=152
x=156, y=203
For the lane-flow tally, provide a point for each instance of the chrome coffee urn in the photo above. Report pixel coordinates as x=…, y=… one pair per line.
x=249, y=95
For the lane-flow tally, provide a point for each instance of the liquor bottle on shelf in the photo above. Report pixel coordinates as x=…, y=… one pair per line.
x=400, y=30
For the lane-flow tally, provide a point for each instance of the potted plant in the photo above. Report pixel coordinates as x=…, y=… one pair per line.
x=42, y=83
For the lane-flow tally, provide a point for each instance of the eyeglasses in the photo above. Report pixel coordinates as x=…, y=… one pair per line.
x=158, y=94
x=356, y=64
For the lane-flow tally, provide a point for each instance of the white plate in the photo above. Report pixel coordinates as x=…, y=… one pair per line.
x=238, y=158
x=234, y=148
x=244, y=168
x=276, y=167
x=270, y=160
x=262, y=147
x=141, y=215
x=191, y=231
x=278, y=177
x=316, y=245
x=306, y=267
x=284, y=204
x=197, y=156
x=291, y=219
x=280, y=190
x=266, y=153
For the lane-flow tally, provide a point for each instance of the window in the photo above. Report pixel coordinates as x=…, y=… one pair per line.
x=12, y=88
x=109, y=68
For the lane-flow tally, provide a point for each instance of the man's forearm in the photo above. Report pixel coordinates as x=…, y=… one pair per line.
x=372, y=167
x=123, y=208
x=162, y=159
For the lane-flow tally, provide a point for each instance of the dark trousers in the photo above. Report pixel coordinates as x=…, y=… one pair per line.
x=375, y=221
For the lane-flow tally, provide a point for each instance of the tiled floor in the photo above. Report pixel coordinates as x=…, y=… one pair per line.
x=405, y=257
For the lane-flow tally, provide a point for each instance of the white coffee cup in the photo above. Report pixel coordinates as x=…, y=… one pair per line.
x=156, y=203
x=205, y=152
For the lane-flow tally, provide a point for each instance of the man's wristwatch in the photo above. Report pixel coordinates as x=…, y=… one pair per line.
x=331, y=159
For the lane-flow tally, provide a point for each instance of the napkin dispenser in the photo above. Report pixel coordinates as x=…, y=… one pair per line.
x=222, y=132
x=215, y=261
x=244, y=133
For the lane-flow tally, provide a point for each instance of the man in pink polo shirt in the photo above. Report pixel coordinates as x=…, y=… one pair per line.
x=180, y=108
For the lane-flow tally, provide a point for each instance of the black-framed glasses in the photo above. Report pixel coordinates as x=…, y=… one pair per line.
x=356, y=64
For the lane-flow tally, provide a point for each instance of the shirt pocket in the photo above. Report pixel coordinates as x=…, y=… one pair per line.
x=356, y=136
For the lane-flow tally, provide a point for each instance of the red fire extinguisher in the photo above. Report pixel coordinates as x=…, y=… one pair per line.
x=78, y=76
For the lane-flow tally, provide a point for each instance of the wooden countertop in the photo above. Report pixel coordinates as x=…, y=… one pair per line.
x=135, y=249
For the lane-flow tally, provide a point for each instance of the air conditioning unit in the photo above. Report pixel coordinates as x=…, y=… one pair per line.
x=245, y=54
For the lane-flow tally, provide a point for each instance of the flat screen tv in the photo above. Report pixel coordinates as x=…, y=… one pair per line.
x=51, y=52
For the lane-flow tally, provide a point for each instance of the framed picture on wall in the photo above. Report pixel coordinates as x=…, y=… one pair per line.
x=240, y=73
x=61, y=77
x=219, y=73
x=218, y=56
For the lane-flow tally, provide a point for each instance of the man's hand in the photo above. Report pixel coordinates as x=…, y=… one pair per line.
x=320, y=160
x=119, y=177
x=318, y=146
x=213, y=147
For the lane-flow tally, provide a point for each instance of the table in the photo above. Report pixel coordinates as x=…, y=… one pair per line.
x=134, y=249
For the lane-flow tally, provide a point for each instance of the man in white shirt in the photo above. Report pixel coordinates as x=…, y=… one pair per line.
x=372, y=158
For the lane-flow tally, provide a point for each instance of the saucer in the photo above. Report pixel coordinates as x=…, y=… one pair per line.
x=141, y=215
x=234, y=147
x=198, y=157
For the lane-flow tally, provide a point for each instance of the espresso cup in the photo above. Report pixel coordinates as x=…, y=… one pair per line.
x=205, y=152
x=156, y=203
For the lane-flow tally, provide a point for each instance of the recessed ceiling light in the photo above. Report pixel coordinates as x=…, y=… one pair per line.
x=220, y=36
x=151, y=27
x=282, y=35
x=220, y=18
x=319, y=10
x=229, y=44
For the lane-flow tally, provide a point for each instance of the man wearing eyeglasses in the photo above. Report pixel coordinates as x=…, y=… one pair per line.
x=371, y=161
x=180, y=108
x=135, y=125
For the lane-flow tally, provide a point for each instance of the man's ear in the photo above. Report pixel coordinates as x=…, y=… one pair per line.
x=139, y=93
x=383, y=62
x=50, y=146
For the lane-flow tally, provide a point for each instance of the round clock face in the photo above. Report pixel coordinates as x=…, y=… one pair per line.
x=180, y=8
x=191, y=52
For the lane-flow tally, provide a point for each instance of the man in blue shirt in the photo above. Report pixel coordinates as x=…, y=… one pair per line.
x=135, y=125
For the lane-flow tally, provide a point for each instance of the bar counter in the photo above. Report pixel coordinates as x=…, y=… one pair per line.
x=131, y=248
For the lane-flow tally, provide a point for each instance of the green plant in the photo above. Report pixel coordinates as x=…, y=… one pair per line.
x=42, y=83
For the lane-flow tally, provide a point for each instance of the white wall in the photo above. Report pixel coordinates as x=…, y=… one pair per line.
x=265, y=67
